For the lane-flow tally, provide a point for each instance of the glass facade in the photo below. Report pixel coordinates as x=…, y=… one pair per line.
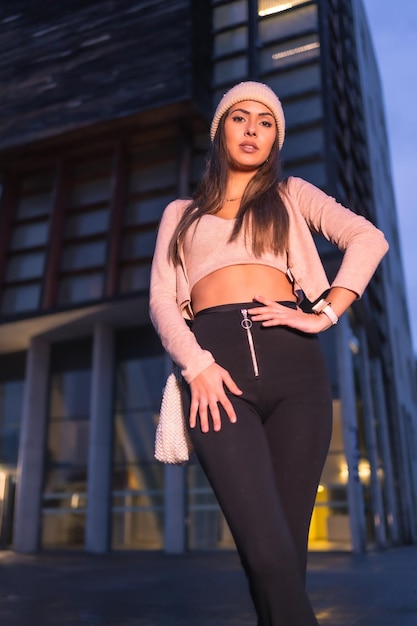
x=137, y=498
x=64, y=500
x=79, y=239
x=29, y=230
x=11, y=398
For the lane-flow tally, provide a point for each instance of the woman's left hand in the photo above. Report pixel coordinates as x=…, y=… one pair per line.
x=274, y=314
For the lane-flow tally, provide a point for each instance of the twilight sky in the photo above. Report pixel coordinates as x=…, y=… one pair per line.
x=393, y=28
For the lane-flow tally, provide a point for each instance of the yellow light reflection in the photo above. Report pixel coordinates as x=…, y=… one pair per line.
x=276, y=8
x=364, y=471
x=3, y=476
x=299, y=50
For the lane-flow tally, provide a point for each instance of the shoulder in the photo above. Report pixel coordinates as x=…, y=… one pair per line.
x=177, y=207
x=173, y=212
x=300, y=188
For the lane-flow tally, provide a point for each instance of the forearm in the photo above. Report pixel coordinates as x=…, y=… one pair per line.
x=331, y=308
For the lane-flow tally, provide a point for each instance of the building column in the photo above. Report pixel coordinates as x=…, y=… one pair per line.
x=26, y=533
x=97, y=534
x=384, y=438
x=175, y=508
x=175, y=539
x=369, y=418
x=350, y=436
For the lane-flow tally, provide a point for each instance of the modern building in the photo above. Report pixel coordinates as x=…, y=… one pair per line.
x=104, y=117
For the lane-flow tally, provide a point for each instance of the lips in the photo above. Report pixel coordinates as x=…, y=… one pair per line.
x=248, y=146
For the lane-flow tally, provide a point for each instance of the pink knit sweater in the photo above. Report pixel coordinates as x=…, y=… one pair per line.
x=310, y=210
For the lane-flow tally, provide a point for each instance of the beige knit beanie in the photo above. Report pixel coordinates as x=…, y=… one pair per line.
x=258, y=92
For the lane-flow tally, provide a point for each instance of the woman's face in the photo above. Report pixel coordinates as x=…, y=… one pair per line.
x=250, y=131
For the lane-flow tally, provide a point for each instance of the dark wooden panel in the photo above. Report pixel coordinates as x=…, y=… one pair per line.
x=65, y=65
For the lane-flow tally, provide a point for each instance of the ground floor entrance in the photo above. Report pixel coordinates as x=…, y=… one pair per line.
x=78, y=411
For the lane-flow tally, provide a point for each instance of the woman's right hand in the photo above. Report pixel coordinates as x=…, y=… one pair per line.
x=207, y=391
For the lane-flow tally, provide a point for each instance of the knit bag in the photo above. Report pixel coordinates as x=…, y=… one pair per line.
x=172, y=441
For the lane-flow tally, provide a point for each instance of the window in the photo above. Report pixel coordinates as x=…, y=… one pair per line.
x=26, y=257
x=11, y=400
x=230, y=14
x=151, y=186
x=270, y=7
x=86, y=227
x=138, y=485
x=65, y=483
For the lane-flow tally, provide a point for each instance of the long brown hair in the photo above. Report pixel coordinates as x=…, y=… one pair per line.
x=262, y=212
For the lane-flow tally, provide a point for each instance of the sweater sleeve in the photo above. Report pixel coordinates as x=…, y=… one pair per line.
x=175, y=335
x=362, y=243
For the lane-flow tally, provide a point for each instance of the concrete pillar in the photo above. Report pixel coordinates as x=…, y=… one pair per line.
x=369, y=418
x=175, y=508
x=175, y=537
x=384, y=438
x=97, y=534
x=350, y=436
x=26, y=534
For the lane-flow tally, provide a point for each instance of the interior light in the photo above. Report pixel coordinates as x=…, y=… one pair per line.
x=320, y=489
x=276, y=8
x=2, y=484
x=364, y=470
x=294, y=51
x=344, y=472
x=75, y=500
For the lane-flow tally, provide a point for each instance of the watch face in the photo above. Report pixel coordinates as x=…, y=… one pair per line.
x=321, y=304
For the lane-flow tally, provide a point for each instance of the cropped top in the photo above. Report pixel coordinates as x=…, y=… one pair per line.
x=310, y=210
x=206, y=241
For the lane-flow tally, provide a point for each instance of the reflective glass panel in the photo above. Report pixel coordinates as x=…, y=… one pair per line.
x=29, y=235
x=229, y=14
x=81, y=255
x=34, y=205
x=80, y=288
x=87, y=223
x=231, y=41
x=20, y=299
x=146, y=210
x=139, y=245
x=150, y=178
x=90, y=192
x=138, y=487
x=230, y=70
x=296, y=81
x=25, y=266
x=11, y=401
x=135, y=277
x=65, y=483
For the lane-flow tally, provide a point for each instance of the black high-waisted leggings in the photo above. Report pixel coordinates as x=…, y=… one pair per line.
x=265, y=468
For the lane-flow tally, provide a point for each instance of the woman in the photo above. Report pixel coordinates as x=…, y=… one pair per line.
x=230, y=269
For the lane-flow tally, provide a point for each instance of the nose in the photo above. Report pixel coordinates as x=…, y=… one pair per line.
x=250, y=131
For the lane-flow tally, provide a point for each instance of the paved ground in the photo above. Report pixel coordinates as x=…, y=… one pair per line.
x=152, y=589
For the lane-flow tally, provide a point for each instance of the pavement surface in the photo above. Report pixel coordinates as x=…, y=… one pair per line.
x=197, y=589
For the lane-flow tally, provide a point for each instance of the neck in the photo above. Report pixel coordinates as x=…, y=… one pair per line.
x=237, y=183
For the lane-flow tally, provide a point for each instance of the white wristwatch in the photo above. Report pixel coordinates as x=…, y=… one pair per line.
x=324, y=306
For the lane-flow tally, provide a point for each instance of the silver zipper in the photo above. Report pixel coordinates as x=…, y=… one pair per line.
x=246, y=324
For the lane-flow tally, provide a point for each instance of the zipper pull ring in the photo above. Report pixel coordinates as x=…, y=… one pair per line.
x=246, y=323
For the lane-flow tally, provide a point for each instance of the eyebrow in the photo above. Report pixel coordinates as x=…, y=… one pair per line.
x=248, y=112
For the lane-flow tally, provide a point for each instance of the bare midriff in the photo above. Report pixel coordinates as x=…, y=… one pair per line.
x=240, y=283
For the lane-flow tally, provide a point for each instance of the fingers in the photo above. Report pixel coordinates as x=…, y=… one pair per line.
x=272, y=314
x=207, y=394
x=275, y=314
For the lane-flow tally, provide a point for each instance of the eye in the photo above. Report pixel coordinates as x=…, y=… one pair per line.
x=266, y=124
x=238, y=118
